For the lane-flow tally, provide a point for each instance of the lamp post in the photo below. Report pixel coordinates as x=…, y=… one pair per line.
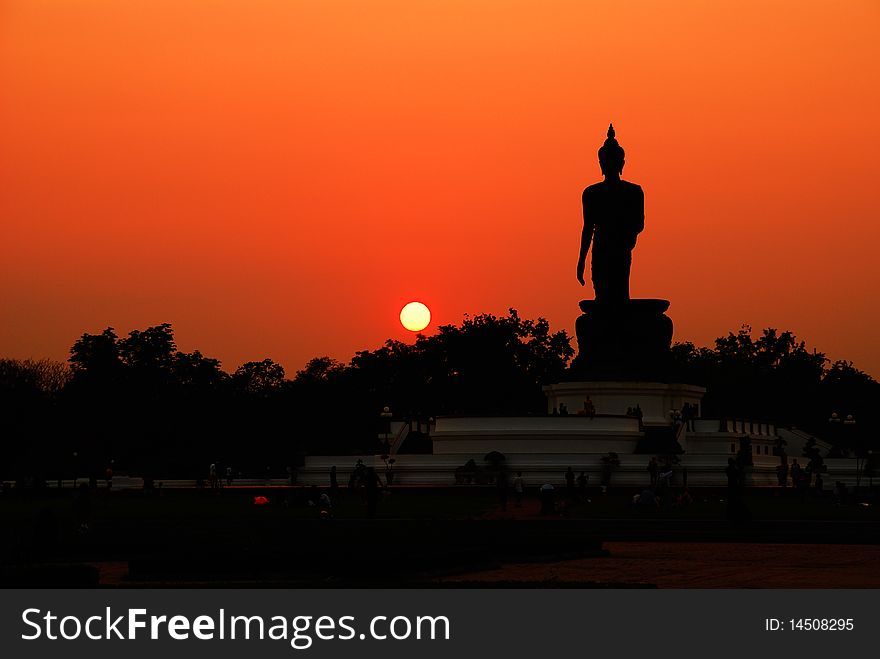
x=834, y=426
x=849, y=424
x=386, y=426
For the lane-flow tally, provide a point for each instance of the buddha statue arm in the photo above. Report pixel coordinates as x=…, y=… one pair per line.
x=639, y=220
x=586, y=239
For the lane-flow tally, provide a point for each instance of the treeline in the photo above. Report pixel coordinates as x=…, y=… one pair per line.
x=157, y=411
x=775, y=377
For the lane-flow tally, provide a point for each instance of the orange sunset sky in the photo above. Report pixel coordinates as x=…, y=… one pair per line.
x=276, y=178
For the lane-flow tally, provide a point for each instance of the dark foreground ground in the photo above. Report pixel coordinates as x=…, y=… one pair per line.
x=700, y=565
x=435, y=538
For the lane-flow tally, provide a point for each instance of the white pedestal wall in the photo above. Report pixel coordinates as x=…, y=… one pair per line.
x=656, y=399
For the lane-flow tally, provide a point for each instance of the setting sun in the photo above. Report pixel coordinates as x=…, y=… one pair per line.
x=415, y=316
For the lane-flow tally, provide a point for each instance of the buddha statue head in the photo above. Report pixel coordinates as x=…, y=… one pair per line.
x=611, y=155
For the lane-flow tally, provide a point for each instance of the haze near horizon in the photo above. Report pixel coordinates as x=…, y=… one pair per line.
x=277, y=179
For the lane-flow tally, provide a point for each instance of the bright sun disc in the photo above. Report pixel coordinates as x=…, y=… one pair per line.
x=415, y=316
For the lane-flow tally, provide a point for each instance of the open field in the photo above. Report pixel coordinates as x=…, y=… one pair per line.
x=205, y=537
x=405, y=502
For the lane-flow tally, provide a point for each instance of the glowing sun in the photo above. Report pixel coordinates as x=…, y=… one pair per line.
x=415, y=316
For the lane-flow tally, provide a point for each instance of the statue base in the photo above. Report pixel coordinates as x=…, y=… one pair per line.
x=615, y=398
x=625, y=340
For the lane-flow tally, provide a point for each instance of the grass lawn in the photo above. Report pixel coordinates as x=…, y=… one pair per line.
x=201, y=534
x=230, y=506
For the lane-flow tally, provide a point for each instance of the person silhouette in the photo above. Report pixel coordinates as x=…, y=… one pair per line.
x=614, y=215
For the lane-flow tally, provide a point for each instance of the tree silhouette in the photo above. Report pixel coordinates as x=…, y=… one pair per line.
x=259, y=378
x=96, y=357
x=158, y=411
x=775, y=378
x=488, y=365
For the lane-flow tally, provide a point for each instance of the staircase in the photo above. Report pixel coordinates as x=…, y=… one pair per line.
x=400, y=437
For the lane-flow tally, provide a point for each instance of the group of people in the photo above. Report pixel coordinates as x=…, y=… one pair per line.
x=215, y=480
x=685, y=417
x=219, y=475
x=576, y=487
x=575, y=490
x=801, y=477
x=661, y=475
x=589, y=409
x=659, y=490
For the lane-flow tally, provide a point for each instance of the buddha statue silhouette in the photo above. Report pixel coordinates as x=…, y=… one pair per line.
x=614, y=215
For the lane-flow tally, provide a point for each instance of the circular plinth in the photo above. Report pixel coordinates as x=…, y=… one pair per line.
x=626, y=339
x=643, y=305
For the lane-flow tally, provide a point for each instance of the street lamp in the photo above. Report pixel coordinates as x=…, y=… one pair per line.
x=386, y=426
x=834, y=425
x=850, y=424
